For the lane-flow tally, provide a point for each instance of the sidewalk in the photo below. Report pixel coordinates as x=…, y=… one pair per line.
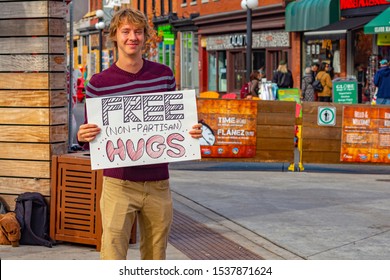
x=325, y=212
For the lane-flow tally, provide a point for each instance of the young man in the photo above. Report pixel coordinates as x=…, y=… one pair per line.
x=139, y=190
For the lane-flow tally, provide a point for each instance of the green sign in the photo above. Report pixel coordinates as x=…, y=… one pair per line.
x=165, y=28
x=169, y=39
x=166, y=32
x=289, y=94
x=326, y=115
x=345, y=91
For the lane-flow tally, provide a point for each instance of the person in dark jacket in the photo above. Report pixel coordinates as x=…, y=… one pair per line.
x=314, y=69
x=255, y=78
x=283, y=76
x=361, y=81
x=382, y=82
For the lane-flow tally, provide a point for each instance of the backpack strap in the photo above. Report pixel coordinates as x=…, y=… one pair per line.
x=27, y=215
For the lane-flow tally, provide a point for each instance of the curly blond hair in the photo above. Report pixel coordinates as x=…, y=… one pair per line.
x=134, y=17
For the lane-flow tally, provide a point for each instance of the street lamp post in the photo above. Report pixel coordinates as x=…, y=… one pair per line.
x=100, y=26
x=248, y=5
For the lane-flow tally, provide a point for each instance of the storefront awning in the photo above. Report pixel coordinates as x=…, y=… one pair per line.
x=90, y=14
x=337, y=30
x=311, y=14
x=380, y=24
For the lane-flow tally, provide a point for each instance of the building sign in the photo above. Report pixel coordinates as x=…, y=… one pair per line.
x=229, y=128
x=112, y=3
x=264, y=39
x=165, y=31
x=365, y=134
x=238, y=40
x=352, y=4
x=383, y=39
x=143, y=129
x=345, y=91
x=94, y=41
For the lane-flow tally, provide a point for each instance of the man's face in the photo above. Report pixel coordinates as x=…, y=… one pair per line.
x=314, y=68
x=130, y=39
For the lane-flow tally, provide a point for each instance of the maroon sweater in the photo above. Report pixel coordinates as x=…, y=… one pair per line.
x=153, y=77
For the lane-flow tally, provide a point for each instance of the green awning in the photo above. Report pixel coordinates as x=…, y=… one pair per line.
x=311, y=14
x=380, y=24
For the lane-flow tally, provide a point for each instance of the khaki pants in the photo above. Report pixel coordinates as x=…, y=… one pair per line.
x=120, y=202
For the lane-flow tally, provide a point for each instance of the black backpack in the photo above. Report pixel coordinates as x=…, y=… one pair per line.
x=318, y=86
x=3, y=208
x=32, y=214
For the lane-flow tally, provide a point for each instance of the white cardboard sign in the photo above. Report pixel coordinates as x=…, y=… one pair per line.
x=143, y=129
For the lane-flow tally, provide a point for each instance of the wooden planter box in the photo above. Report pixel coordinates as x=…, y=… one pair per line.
x=75, y=196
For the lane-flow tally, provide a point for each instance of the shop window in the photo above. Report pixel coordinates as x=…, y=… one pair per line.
x=239, y=69
x=212, y=71
x=189, y=61
x=322, y=51
x=166, y=55
x=217, y=71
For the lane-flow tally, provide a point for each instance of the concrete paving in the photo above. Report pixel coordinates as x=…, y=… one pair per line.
x=325, y=212
x=332, y=212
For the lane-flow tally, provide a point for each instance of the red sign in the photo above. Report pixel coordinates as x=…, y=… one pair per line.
x=351, y=4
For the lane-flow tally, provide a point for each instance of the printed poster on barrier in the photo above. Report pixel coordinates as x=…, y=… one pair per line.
x=291, y=94
x=365, y=134
x=143, y=129
x=229, y=128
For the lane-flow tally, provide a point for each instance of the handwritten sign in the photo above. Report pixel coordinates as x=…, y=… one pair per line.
x=143, y=129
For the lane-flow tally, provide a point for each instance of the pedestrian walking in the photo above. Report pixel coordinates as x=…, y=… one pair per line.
x=283, y=76
x=324, y=77
x=382, y=82
x=361, y=81
x=139, y=190
x=255, y=79
x=307, y=86
x=315, y=66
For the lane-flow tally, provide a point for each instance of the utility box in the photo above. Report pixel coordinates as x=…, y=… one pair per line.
x=75, y=195
x=75, y=201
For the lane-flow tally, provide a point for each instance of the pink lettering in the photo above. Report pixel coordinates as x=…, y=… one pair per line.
x=151, y=143
x=180, y=149
x=154, y=147
x=112, y=151
x=135, y=154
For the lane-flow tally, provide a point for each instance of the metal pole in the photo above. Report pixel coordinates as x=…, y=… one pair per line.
x=248, y=43
x=70, y=103
x=100, y=50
